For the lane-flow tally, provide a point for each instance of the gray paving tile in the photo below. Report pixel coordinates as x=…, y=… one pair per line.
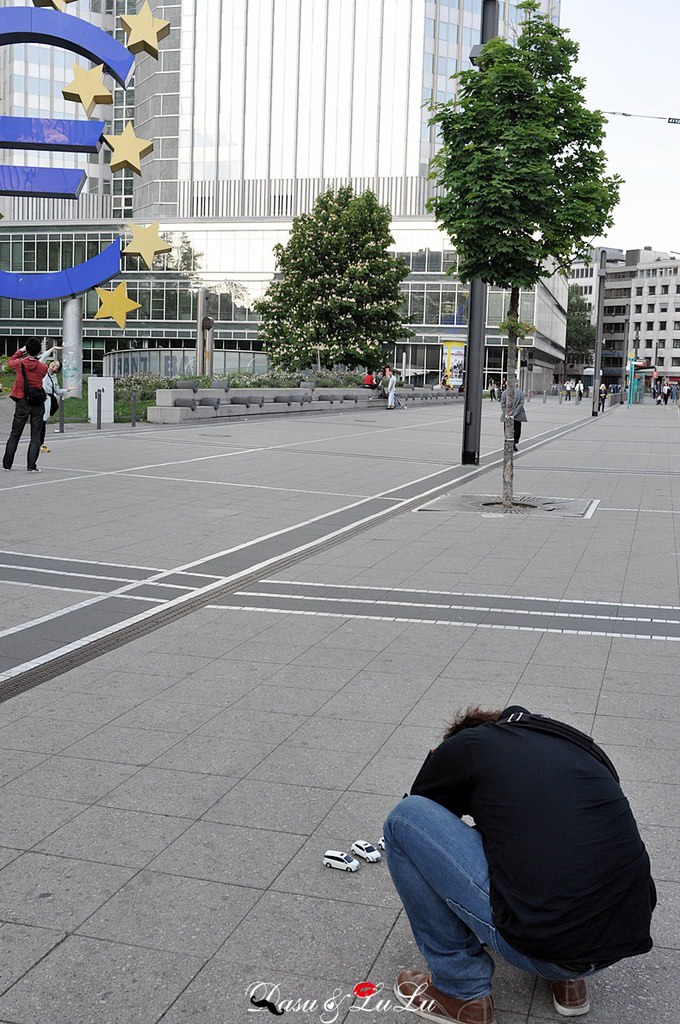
x=27, y=819
x=21, y=947
x=217, y=996
x=482, y=671
x=229, y=853
x=665, y=928
x=261, y=652
x=356, y=815
x=354, y=736
x=392, y=776
x=165, y=791
x=216, y=755
x=273, y=805
x=14, y=763
x=303, y=676
x=328, y=769
x=97, y=708
x=330, y=937
x=636, y=732
x=124, y=745
x=55, y=892
x=166, y=912
x=43, y=734
x=8, y=854
x=653, y=803
x=250, y=724
x=108, y=835
x=663, y=847
x=279, y=698
x=84, y=981
x=639, y=682
x=645, y=765
x=307, y=876
x=642, y=988
x=158, y=713
x=70, y=778
x=662, y=707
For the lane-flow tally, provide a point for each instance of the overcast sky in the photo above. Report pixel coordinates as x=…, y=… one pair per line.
x=629, y=55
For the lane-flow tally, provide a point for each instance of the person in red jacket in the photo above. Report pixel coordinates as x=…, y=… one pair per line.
x=25, y=360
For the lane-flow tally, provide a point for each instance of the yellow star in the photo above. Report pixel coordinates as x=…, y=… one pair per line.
x=146, y=242
x=128, y=150
x=144, y=32
x=115, y=305
x=57, y=5
x=87, y=88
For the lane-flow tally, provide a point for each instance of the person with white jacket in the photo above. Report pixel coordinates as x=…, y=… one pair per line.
x=51, y=389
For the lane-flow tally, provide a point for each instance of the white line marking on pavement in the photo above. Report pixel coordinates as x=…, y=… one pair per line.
x=230, y=483
x=444, y=622
x=465, y=593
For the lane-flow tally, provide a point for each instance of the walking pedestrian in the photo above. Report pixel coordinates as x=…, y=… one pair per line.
x=29, y=403
x=492, y=390
x=602, y=397
x=391, y=387
x=519, y=414
x=579, y=390
x=666, y=391
x=554, y=877
x=567, y=390
x=674, y=393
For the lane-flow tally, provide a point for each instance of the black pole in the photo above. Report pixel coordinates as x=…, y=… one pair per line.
x=61, y=416
x=98, y=397
x=474, y=359
x=597, y=367
x=133, y=397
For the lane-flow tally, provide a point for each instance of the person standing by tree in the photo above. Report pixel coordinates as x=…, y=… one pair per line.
x=521, y=172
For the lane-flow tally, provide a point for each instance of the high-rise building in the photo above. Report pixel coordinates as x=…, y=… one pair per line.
x=255, y=108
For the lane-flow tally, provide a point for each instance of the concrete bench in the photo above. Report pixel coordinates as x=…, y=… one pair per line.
x=247, y=400
x=291, y=399
x=185, y=403
x=213, y=403
x=186, y=385
x=327, y=396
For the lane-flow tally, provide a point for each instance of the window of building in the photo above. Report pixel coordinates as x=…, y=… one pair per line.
x=650, y=325
x=652, y=289
x=676, y=342
x=648, y=343
x=661, y=343
x=650, y=307
x=638, y=309
x=662, y=325
x=664, y=289
x=638, y=291
x=659, y=361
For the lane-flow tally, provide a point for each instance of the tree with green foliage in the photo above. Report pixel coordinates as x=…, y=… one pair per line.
x=581, y=334
x=336, y=298
x=521, y=172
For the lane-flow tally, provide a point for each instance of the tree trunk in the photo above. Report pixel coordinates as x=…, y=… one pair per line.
x=509, y=422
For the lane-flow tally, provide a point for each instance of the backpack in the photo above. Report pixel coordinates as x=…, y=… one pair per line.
x=32, y=396
x=539, y=723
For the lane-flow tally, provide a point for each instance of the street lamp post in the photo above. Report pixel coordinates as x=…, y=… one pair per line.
x=597, y=362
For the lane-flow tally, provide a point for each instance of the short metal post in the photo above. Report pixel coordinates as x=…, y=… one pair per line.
x=560, y=395
x=61, y=417
x=545, y=395
x=133, y=397
x=98, y=396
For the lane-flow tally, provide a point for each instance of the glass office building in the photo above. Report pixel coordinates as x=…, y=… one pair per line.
x=255, y=108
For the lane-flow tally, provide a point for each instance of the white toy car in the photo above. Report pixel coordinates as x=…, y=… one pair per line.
x=341, y=861
x=381, y=842
x=365, y=850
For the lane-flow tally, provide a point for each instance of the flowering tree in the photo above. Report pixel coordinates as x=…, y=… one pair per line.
x=336, y=298
x=521, y=172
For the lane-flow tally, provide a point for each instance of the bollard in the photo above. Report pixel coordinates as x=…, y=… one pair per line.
x=560, y=396
x=545, y=395
x=133, y=397
x=98, y=396
x=60, y=428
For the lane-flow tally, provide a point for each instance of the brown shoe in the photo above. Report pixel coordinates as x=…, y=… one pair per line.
x=570, y=998
x=415, y=991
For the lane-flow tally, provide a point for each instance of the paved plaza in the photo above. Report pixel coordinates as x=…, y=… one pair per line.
x=227, y=647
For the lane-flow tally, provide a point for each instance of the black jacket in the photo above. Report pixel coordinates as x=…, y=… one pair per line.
x=570, y=876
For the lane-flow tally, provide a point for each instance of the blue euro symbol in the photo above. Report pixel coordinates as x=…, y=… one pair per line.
x=26, y=25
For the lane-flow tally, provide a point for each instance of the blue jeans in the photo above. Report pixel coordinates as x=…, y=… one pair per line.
x=439, y=869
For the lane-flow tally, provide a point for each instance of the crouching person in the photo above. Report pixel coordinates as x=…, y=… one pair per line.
x=554, y=876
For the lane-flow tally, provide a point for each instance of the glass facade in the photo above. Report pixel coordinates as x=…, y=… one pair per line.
x=255, y=107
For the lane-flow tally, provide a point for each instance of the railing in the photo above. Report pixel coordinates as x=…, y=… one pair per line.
x=285, y=198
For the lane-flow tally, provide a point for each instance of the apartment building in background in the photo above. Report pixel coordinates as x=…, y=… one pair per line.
x=255, y=108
